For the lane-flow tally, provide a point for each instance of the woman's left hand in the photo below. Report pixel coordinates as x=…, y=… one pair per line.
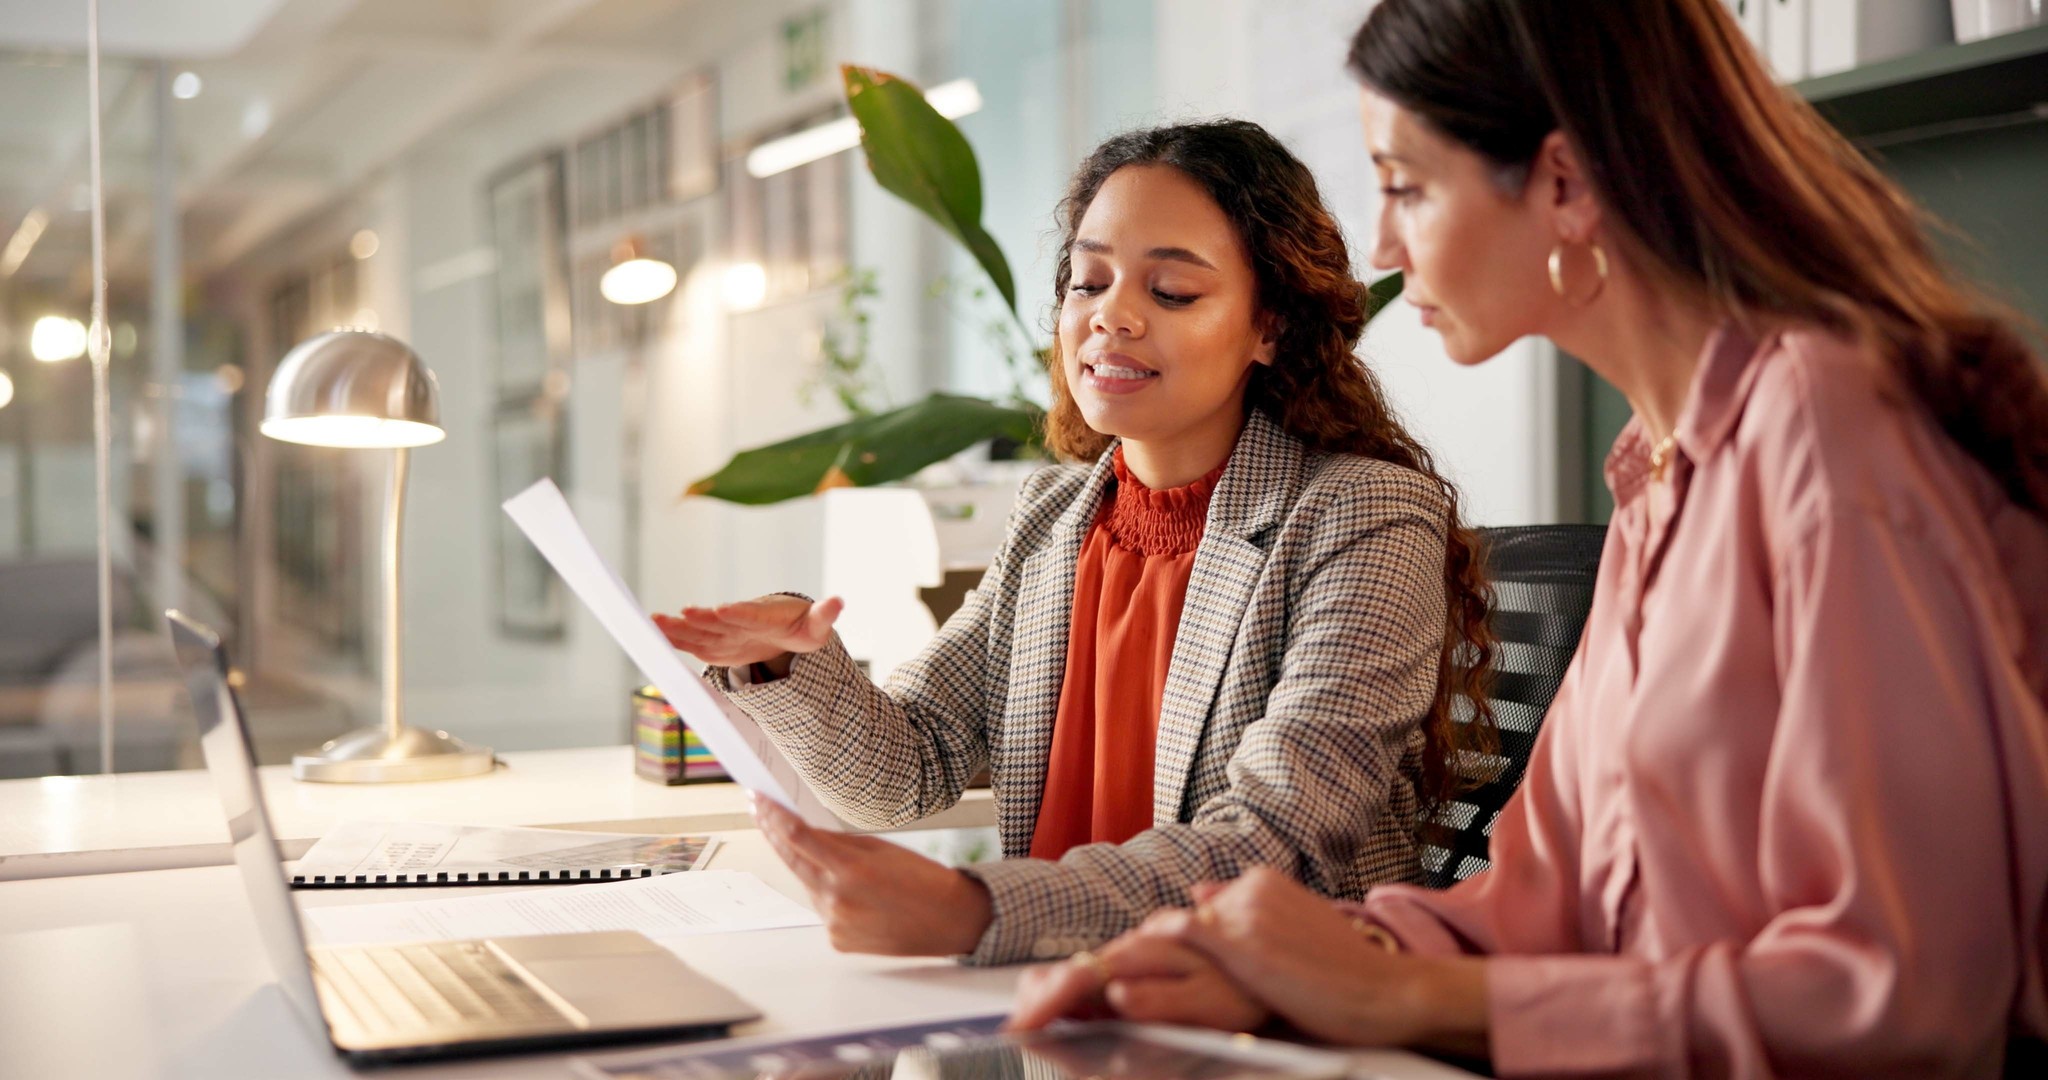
x=875, y=896
x=1305, y=959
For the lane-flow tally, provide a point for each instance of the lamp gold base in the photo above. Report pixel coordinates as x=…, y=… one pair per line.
x=373, y=756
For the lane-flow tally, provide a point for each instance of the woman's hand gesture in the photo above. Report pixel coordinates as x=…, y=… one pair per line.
x=875, y=896
x=767, y=630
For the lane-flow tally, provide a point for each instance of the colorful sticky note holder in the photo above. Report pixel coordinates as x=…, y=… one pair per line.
x=665, y=750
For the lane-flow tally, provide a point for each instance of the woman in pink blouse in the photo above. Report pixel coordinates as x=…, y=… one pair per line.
x=1789, y=811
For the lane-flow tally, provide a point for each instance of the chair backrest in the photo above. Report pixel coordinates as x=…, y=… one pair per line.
x=1543, y=587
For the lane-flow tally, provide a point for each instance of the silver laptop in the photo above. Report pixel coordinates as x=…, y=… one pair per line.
x=443, y=998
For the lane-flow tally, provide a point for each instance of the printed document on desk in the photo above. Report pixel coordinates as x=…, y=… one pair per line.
x=671, y=906
x=738, y=743
x=426, y=853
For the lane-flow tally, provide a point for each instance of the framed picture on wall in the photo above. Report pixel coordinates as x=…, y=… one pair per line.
x=526, y=445
x=744, y=214
x=316, y=498
x=529, y=229
x=692, y=141
x=793, y=224
x=828, y=248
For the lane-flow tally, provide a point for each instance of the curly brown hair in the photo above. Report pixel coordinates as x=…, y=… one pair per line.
x=1317, y=389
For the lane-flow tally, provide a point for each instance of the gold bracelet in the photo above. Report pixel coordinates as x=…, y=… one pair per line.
x=1376, y=934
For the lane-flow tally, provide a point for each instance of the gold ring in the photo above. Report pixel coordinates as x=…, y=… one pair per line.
x=1087, y=959
x=1376, y=934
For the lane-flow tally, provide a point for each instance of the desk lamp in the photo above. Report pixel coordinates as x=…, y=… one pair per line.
x=361, y=390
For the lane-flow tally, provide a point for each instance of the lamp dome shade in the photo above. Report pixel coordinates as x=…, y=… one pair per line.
x=353, y=388
x=637, y=281
x=635, y=276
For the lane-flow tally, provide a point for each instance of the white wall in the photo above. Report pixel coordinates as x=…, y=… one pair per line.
x=1014, y=53
x=1059, y=78
x=718, y=381
x=1494, y=427
x=725, y=381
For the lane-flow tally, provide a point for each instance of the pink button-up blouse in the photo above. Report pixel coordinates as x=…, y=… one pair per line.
x=1789, y=812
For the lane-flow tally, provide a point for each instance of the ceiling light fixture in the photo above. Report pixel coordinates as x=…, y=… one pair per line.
x=23, y=241
x=186, y=86
x=635, y=277
x=952, y=100
x=6, y=389
x=255, y=118
x=745, y=286
x=55, y=338
x=363, y=244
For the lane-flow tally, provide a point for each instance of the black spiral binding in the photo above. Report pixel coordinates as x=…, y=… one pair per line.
x=486, y=877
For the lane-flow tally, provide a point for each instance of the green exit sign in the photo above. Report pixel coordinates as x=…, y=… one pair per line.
x=803, y=50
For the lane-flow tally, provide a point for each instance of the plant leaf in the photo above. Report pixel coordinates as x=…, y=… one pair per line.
x=1381, y=293
x=867, y=450
x=921, y=158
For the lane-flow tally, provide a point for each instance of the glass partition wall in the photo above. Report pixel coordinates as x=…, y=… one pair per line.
x=460, y=176
x=49, y=623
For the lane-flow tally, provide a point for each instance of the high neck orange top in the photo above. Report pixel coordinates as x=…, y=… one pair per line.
x=1128, y=589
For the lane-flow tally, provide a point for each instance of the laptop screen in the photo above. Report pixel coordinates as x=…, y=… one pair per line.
x=224, y=740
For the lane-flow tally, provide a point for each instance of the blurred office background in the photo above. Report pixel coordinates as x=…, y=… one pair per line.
x=457, y=173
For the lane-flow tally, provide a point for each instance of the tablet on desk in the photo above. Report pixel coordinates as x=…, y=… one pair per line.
x=971, y=1050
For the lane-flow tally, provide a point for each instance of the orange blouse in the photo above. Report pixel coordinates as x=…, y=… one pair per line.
x=1128, y=588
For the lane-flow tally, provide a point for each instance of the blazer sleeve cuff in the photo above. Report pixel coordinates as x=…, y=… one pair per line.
x=1031, y=920
x=784, y=705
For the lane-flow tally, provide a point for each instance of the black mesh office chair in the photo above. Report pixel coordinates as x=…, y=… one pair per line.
x=1543, y=587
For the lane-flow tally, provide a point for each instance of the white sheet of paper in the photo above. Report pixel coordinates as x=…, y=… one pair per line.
x=738, y=743
x=671, y=906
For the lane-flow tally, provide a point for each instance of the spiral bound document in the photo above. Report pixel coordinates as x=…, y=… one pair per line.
x=359, y=854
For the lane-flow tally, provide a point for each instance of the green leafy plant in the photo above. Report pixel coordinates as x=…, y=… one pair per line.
x=1002, y=332
x=923, y=159
x=843, y=350
x=865, y=450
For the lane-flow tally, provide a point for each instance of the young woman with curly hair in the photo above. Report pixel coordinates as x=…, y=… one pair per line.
x=1222, y=636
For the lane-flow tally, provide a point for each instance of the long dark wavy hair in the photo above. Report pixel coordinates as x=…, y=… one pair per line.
x=1726, y=184
x=1316, y=389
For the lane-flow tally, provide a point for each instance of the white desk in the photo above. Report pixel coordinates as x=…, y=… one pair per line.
x=66, y=825
x=159, y=975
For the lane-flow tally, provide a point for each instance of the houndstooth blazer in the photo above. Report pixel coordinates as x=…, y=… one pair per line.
x=1289, y=735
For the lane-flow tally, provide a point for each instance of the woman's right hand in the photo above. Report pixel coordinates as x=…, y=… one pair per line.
x=768, y=630
x=1139, y=976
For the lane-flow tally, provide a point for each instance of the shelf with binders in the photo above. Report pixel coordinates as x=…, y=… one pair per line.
x=1988, y=83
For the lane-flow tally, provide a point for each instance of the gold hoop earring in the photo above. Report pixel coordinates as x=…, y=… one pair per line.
x=1557, y=273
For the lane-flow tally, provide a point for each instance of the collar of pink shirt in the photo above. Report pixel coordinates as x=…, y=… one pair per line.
x=1720, y=389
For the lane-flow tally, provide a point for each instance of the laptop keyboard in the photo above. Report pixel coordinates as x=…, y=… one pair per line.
x=434, y=986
